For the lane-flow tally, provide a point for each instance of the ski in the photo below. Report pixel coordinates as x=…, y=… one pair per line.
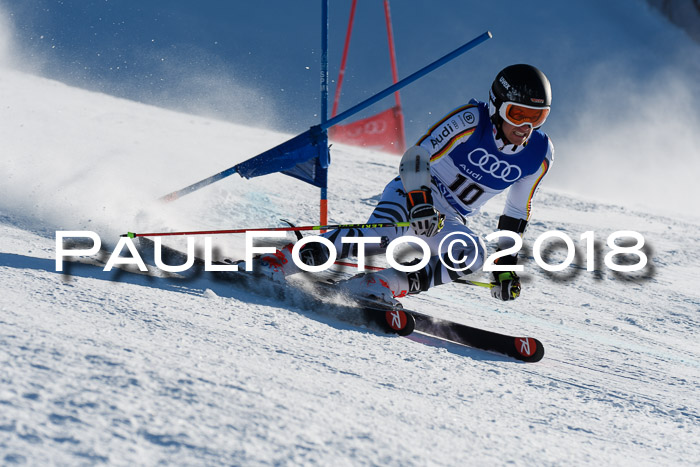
x=526, y=349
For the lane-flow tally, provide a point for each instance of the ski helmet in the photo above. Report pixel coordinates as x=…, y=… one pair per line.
x=520, y=94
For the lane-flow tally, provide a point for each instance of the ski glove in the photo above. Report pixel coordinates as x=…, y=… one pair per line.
x=506, y=286
x=424, y=218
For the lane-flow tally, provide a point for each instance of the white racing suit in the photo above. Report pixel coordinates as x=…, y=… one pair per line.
x=469, y=166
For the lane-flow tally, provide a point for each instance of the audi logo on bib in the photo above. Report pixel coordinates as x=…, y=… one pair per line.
x=493, y=166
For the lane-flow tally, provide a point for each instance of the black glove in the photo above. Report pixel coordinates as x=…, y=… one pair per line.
x=424, y=218
x=506, y=286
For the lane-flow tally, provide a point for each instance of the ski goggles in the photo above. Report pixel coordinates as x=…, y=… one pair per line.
x=519, y=114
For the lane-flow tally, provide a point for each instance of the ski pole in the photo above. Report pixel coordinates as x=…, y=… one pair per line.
x=270, y=229
x=487, y=285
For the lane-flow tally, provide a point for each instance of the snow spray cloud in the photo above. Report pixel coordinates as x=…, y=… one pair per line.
x=634, y=142
x=83, y=160
x=198, y=82
x=146, y=53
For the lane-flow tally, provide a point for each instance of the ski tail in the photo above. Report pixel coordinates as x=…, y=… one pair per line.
x=391, y=321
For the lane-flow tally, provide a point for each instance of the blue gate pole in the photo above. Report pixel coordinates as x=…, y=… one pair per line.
x=324, y=61
x=407, y=80
x=324, y=104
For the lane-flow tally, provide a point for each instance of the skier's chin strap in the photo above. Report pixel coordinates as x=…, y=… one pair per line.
x=500, y=136
x=498, y=123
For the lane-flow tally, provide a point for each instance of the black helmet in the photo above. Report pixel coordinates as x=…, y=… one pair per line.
x=524, y=85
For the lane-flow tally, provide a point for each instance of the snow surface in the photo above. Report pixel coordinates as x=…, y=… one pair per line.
x=123, y=368
x=128, y=368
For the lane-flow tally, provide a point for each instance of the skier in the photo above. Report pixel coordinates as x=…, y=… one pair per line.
x=474, y=153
